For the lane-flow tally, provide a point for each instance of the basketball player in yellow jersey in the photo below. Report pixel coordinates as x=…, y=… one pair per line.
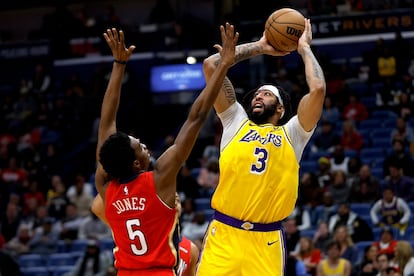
x=333, y=264
x=260, y=150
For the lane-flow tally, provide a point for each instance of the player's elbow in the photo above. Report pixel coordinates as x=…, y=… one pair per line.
x=318, y=87
x=208, y=66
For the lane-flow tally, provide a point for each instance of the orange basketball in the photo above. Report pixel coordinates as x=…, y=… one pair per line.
x=283, y=29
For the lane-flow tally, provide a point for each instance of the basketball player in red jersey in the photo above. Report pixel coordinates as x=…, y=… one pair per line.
x=139, y=205
x=189, y=252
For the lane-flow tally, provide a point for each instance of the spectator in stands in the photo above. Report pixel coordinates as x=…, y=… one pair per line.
x=10, y=221
x=92, y=228
x=326, y=210
x=41, y=81
x=294, y=266
x=81, y=194
x=405, y=106
x=391, y=211
x=383, y=260
x=196, y=229
x=57, y=199
x=19, y=244
x=325, y=138
x=386, y=243
x=13, y=176
x=187, y=185
x=310, y=193
x=188, y=212
x=302, y=216
x=351, y=139
x=330, y=112
x=208, y=177
x=357, y=227
x=92, y=262
x=324, y=173
x=399, y=154
x=334, y=264
x=403, y=131
x=339, y=188
x=339, y=161
x=404, y=257
x=354, y=110
x=32, y=194
x=368, y=265
x=365, y=188
x=45, y=239
x=69, y=225
x=211, y=151
x=309, y=255
x=348, y=249
x=38, y=218
x=354, y=164
x=387, y=93
x=322, y=235
x=402, y=185
x=292, y=235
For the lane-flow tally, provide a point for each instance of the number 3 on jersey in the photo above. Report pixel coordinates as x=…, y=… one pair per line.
x=133, y=234
x=260, y=164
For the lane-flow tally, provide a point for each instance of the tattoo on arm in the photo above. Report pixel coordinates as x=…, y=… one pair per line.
x=317, y=70
x=243, y=52
x=228, y=90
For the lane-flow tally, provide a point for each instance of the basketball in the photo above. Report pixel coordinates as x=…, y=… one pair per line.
x=283, y=29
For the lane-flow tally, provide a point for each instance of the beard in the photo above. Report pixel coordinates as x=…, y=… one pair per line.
x=263, y=116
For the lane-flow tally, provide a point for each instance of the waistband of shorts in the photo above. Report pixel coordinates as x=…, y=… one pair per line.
x=247, y=225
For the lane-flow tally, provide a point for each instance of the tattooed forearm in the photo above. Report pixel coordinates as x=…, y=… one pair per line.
x=243, y=52
x=228, y=91
x=315, y=70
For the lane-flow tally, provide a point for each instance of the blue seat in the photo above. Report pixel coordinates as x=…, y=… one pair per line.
x=31, y=260
x=373, y=152
x=368, y=220
x=195, y=172
x=208, y=213
x=369, y=124
x=61, y=270
x=383, y=115
x=377, y=172
x=309, y=166
x=106, y=244
x=361, y=245
x=202, y=203
x=369, y=102
x=361, y=209
x=35, y=271
x=78, y=245
x=381, y=142
x=308, y=233
x=60, y=259
x=62, y=246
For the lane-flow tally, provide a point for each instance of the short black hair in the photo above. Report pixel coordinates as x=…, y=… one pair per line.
x=287, y=103
x=117, y=156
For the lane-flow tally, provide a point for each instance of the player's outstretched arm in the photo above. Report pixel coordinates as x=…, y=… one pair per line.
x=107, y=126
x=169, y=163
x=311, y=105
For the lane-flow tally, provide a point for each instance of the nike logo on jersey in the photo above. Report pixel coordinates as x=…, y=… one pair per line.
x=270, y=243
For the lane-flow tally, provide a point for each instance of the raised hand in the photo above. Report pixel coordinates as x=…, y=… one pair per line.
x=116, y=41
x=306, y=37
x=229, y=39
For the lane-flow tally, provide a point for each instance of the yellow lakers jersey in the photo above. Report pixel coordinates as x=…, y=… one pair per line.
x=258, y=174
x=333, y=271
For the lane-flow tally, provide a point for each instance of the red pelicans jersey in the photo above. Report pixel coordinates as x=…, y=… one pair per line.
x=143, y=228
x=185, y=255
